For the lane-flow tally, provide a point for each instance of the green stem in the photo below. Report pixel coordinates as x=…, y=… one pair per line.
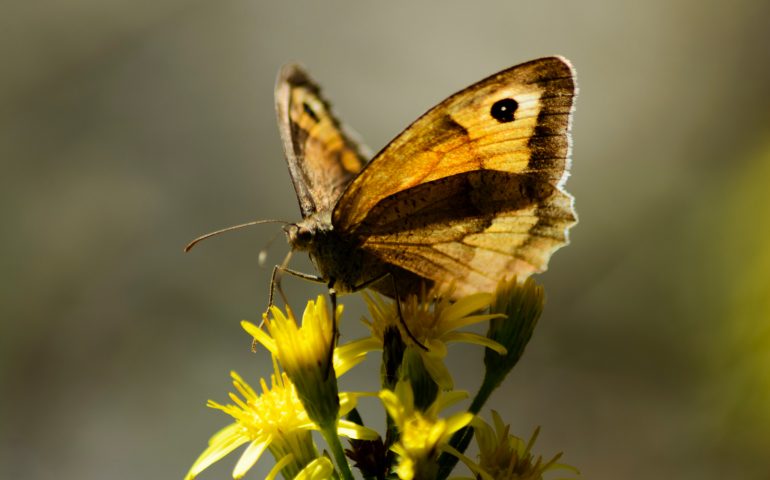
x=485, y=391
x=333, y=440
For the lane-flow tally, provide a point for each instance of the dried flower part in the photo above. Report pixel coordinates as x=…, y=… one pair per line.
x=507, y=457
x=370, y=457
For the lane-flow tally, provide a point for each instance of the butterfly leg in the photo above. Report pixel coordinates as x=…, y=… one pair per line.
x=275, y=281
x=275, y=284
x=401, y=315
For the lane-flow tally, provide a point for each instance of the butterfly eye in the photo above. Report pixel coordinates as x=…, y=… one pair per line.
x=304, y=234
x=503, y=110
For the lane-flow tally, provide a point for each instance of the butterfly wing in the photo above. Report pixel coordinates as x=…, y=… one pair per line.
x=471, y=192
x=322, y=154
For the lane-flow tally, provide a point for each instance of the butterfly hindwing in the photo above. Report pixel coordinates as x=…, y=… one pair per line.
x=470, y=193
x=323, y=155
x=472, y=239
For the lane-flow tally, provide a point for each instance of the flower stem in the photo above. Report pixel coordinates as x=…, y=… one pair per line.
x=329, y=433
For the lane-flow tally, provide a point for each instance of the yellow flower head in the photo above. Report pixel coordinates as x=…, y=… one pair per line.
x=507, y=457
x=423, y=435
x=274, y=419
x=307, y=345
x=304, y=352
x=433, y=321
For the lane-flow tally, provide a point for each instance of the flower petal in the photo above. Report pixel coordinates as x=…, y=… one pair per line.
x=446, y=400
x=474, y=338
x=216, y=451
x=349, y=400
x=287, y=459
x=470, y=320
x=465, y=306
x=473, y=466
x=319, y=469
x=229, y=431
x=250, y=456
x=349, y=429
x=499, y=423
x=392, y=404
x=438, y=371
x=405, y=395
x=485, y=436
x=458, y=421
x=362, y=345
x=260, y=336
x=351, y=354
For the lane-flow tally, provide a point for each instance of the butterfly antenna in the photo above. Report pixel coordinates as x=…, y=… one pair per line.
x=228, y=229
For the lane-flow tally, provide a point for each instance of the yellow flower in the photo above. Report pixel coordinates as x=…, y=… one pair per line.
x=274, y=420
x=304, y=353
x=307, y=354
x=432, y=321
x=423, y=435
x=507, y=457
x=345, y=356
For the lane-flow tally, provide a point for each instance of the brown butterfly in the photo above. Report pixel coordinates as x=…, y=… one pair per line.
x=469, y=194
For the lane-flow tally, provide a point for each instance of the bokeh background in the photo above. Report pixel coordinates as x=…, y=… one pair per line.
x=127, y=128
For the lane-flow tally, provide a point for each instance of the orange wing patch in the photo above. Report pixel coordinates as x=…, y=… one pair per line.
x=322, y=154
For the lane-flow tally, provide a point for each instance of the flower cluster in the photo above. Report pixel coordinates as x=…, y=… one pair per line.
x=421, y=441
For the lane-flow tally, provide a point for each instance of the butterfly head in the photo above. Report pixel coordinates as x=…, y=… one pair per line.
x=299, y=236
x=302, y=235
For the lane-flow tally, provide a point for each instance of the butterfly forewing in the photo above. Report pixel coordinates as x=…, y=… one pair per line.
x=471, y=193
x=323, y=155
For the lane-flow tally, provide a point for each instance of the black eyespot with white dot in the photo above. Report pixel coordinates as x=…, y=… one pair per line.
x=503, y=110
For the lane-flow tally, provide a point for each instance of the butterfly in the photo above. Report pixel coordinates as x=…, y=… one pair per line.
x=469, y=194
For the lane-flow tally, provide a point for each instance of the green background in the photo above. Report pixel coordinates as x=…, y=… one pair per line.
x=127, y=128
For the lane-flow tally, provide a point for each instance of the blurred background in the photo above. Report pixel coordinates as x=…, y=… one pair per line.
x=128, y=128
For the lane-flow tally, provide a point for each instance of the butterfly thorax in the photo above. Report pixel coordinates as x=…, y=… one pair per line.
x=337, y=258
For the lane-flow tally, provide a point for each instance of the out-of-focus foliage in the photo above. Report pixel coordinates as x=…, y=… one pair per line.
x=741, y=363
